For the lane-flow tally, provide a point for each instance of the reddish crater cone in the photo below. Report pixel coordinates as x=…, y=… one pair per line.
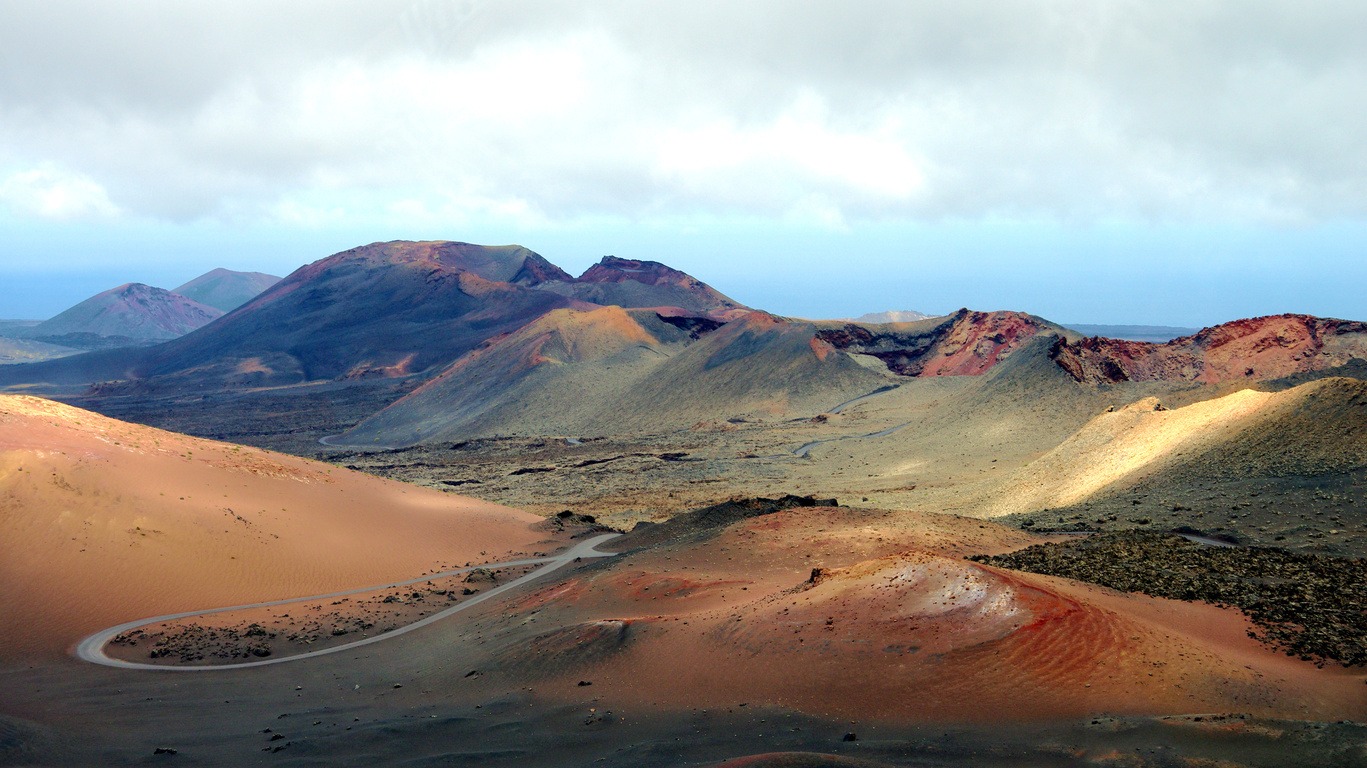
x=965, y=343
x=1255, y=349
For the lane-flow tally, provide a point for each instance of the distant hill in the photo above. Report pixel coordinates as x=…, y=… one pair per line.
x=225, y=289
x=1152, y=333
x=133, y=312
x=893, y=316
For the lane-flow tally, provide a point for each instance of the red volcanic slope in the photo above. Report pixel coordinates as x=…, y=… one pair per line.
x=964, y=343
x=1255, y=349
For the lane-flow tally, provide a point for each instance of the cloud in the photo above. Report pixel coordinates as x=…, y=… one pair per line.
x=541, y=111
x=52, y=194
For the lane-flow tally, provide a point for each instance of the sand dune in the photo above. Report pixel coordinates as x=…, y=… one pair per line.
x=103, y=521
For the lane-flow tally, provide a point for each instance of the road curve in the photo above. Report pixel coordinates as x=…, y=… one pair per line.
x=91, y=649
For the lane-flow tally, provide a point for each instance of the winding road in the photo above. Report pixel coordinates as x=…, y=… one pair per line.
x=806, y=448
x=91, y=649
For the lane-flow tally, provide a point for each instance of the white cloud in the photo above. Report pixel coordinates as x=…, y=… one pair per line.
x=50, y=193
x=543, y=111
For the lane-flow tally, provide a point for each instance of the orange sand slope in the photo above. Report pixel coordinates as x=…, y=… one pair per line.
x=876, y=615
x=103, y=521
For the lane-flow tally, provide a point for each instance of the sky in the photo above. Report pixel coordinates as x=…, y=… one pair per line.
x=1106, y=162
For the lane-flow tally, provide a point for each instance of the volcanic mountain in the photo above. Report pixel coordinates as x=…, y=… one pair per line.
x=184, y=523
x=1255, y=349
x=225, y=289
x=132, y=313
x=381, y=310
x=384, y=309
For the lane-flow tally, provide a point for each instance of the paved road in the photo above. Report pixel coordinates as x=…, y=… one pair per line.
x=885, y=388
x=91, y=649
x=806, y=448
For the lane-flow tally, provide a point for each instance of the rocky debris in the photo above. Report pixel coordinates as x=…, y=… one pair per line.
x=481, y=576
x=695, y=326
x=1311, y=606
x=579, y=524
x=710, y=520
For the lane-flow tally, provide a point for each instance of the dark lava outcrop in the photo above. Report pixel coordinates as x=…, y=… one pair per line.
x=1309, y=605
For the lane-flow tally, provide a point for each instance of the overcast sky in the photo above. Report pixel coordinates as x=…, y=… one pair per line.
x=1107, y=161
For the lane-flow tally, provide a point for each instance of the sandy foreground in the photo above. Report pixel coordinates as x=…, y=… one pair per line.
x=788, y=632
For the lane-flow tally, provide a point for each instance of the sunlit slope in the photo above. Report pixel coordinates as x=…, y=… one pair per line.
x=1311, y=429
x=103, y=521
